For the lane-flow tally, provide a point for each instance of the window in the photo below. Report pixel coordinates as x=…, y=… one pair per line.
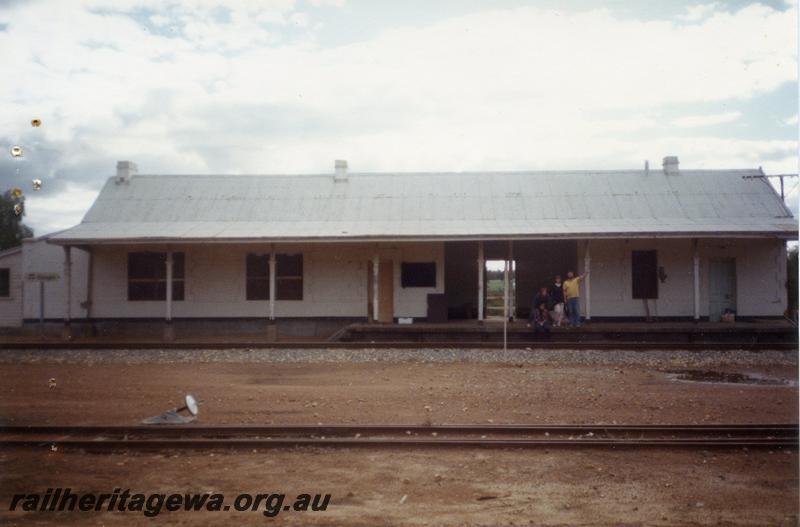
x=5, y=283
x=288, y=277
x=418, y=274
x=147, y=276
x=257, y=277
x=644, y=265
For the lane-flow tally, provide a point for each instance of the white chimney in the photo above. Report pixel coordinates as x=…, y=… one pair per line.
x=671, y=165
x=126, y=169
x=341, y=170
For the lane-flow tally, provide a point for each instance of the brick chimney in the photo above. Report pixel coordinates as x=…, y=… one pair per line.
x=340, y=167
x=126, y=169
x=671, y=166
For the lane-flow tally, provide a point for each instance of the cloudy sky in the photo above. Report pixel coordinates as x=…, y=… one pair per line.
x=287, y=86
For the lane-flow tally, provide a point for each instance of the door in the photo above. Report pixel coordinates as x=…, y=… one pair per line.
x=385, y=291
x=721, y=287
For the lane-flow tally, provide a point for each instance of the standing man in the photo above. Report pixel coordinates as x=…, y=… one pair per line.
x=572, y=293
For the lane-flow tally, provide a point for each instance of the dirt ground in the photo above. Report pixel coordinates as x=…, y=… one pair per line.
x=419, y=487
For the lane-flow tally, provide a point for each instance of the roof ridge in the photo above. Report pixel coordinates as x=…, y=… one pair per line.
x=465, y=173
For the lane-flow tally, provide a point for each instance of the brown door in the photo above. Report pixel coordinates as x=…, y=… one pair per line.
x=385, y=291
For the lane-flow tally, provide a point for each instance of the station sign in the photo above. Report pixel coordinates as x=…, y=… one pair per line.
x=42, y=276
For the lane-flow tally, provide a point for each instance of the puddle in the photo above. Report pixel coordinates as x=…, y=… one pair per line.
x=724, y=377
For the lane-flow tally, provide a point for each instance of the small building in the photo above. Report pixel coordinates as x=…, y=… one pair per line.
x=11, y=287
x=315, y=252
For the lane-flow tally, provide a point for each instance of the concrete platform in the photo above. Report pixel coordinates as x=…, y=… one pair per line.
x=753, y=335
x=750, y=332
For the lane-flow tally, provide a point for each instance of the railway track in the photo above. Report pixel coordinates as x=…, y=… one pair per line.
x=359, y=436
x=489, y=345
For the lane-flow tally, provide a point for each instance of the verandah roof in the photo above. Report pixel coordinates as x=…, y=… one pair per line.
x=432, y=206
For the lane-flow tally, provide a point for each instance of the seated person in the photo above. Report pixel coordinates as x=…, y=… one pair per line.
x=543, y=297
x=541, y=320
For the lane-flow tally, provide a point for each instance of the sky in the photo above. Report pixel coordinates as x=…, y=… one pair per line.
x=288, y=86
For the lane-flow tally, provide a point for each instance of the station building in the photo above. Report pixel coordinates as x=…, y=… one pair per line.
x=317, y=252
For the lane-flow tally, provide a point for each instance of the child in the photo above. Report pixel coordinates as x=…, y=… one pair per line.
x=557, y=298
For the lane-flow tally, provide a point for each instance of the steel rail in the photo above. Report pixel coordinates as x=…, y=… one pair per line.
x=226, y=436
x=194, y=429
x=162, y=444
x=488, y=345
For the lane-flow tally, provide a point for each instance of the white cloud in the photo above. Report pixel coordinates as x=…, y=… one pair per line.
x=694, y=121
x=48, y=213
x=791, y=121
x=499, y=89
x=320, y=3
x=699, y=12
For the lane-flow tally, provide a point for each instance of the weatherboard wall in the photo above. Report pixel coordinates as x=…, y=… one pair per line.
x=11, y=306
x=760, y=276
x=334, y=281
x=39, y=256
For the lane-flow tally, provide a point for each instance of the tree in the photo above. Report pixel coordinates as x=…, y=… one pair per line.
x=12, y=209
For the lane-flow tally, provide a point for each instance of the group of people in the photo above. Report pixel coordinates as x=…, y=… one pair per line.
x=552, y=303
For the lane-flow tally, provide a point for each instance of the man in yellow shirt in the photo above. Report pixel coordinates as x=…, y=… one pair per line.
x=572, y=293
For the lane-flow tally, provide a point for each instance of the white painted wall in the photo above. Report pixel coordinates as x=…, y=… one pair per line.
x=760, y=274
x=760, y=270
x=11, y=306
x=413, y=301
x=334, y=281
x=42, y=257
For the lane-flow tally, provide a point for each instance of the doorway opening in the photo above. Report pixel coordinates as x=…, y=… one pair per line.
x=721, y=287
x=497, y=293
x=385, y=291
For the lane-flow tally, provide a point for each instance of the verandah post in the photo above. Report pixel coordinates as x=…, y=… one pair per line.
x=481, y=267
x=66, y=332
x=169, y=333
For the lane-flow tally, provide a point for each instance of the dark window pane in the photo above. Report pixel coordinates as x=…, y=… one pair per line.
x=257, y=289
x=289, y=265
x=644, y=267
x=418, y=274
x=289, y=288
x=146, y=265
x=5, y=282
x=178, y=267
x=258, y=266
x=177, y=291
x=257, y=276
x=147, y=275
x=144, y=291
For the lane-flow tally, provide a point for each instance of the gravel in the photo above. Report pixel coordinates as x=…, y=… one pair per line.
x=424, y=355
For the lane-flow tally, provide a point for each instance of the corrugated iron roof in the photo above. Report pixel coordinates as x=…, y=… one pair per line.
x=434, y=206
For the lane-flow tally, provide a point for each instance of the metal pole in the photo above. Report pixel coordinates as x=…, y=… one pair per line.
x=481, y=270
x=375, y=295
x=512, y=292
x=505, y=305
x=782, y=189
x=696, y=278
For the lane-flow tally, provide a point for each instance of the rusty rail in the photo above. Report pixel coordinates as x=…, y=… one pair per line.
x=395, y=435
